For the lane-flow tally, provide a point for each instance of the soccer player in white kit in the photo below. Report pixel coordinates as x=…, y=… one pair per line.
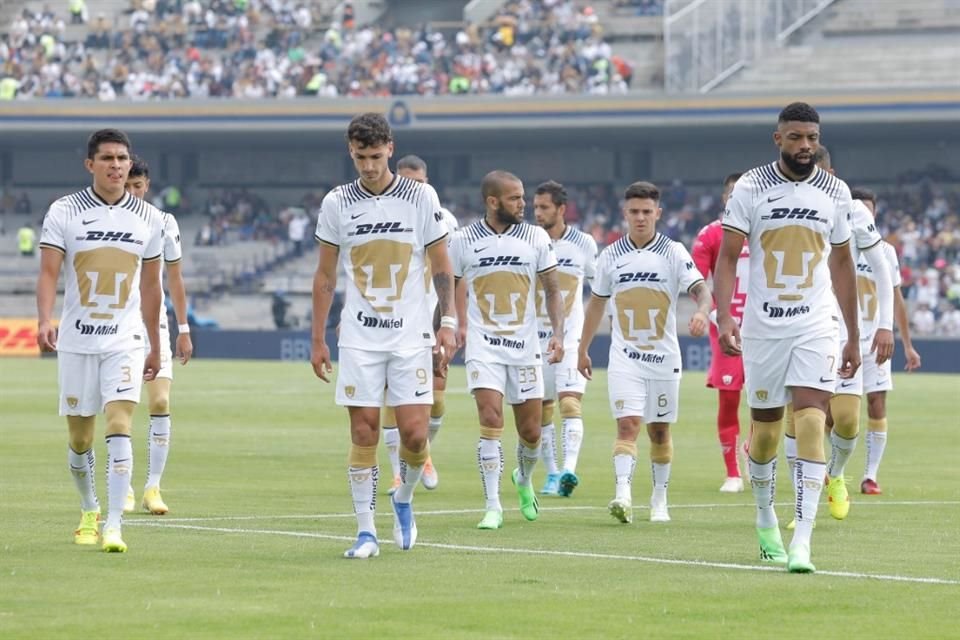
x=414, y=168
x=110, y=244
x=640, y=277
x=158, y=390
x=383, y=227
x=795, y=218
x=498, y=262
x=576, y=262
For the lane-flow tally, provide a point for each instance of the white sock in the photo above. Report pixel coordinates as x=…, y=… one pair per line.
x=83, y=467
x=876, y=443
x=623, y=466
x=572, y=439
x=119, y=470
x=435, y=424
x=526, y=461
x=840, y=451
x=548, y=448
x=409, y=477
x=661, y=478
x=158, y=446
x=808, y=478
x=790, y=451
x=363, y=488
x=391, y=438
x=490, y=463
x=763, y=482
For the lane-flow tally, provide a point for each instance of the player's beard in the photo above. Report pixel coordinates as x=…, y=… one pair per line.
x=798, y=169
x=505, y=217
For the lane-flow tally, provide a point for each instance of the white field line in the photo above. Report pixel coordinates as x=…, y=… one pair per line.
x=449, y=512
x=566, y=554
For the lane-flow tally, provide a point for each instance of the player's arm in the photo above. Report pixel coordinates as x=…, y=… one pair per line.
x=883, y=337
x=704, y=252
x=151, y=299
x=324, y=289
x=178, y=296
x=554, y=301
x=844, y=277
x=51, y=260
x=700, y=320
x=724, y=281
x=460, y=299
x=592, y=317
x=903, y=325
x=443, y=284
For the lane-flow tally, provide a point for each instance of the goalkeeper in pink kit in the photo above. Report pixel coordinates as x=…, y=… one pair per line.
x=726, y=372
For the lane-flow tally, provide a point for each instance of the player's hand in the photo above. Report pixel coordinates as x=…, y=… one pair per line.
x=882, y=345
x=184, y=348
x=585, y=365
x=699, y=322
x=849, y=359
x=730, y=336
x=913, y=359
x=443, y=350
x=555, y=350
x=151, y=365
x=320, y=359
x=47, y=337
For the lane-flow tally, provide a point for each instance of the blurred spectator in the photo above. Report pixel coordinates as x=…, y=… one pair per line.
x=26, y=240
x=23, y=205
x=78, y=11
x=923, y=320
x=278, y=307
x=297, y=228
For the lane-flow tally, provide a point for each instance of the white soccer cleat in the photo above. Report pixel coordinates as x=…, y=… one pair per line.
x=659, y=512
x=430, y=478
x=732, y=485
x=621, y=510
x=366, y=546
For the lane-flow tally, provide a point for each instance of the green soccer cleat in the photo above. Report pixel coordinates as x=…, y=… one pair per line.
x=88, y=531
x=621, y=510
x=491, y=520
x=112, y=542
x=529, y=505
x=771, y=545
x=838, y=498
x=799, y=560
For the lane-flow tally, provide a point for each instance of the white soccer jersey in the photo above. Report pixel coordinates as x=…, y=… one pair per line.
x=867, y=289
x=449, y=222
x=791, y=227
x=865, y=236
x=382, y=241
x=576, y=260
x=501, y=272
x=642, y=285
x=103, y=246
x=172, y=251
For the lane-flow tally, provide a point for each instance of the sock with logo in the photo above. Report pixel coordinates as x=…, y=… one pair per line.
x=158, y=446
x=490, y=463
x=876, y=443
x=119, y=470
x=548, y=451
x=572, y=439
x=82, y=468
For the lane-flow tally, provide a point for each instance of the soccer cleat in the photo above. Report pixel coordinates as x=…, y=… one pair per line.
x=491, y=520
x=112, y=542
x=837, y=497
x=870, y=487
x=366, y=546
x=552, y=486
x=153, y=503
x=396, y=485
x=430, y=478
x=799, y=559
x=529, y=505
x=732, y=485
x=568, y=482
x=621, y=510
x=771, y=545
x=88, y=531
x=659, y=512
x=131, y=503
x=404, y=524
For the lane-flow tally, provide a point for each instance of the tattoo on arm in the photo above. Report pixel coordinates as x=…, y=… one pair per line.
x=443, y=285
x=701, y=295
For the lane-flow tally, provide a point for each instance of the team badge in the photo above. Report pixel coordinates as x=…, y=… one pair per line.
x=762, y=395
x=619, y=405
x=349, y=390
x=72, y=402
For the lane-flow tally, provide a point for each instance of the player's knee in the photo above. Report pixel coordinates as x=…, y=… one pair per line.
x=490, y=416
x=625, y=448
x=628, y=428
x=160, y=404
x=415, y=452
x=119, y=417
x=658, y=432
x=877, y=405
x=661, y=452
x=546, y=417
x=845, y=410
x=529, y=434
x=764, y=440
x=570, y=407
x=810, y=422
x=438, y=408
x=362, y=457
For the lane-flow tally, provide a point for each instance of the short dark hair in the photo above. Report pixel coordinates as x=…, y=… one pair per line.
x=557, y=193
x=732, y=178
x=799, y=112
x=104, y=136
x=139, y=168
x=822, y=157
x=862, y=193
x=643, y=190
x=369, y=130
x=412, y=162
x=493, y=181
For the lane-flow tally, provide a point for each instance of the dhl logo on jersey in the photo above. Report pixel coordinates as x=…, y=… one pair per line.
x=501, y=261
x=639, y=276
x=372, y=228
x=109, y=236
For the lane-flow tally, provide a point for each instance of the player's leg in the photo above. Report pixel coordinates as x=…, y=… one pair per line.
x=79, y=403
x=430, y=477
x=663, y=402
x=487, y=383
x=527, y=416
x=571, y=386
x=627, y=394
x=158, y=444
x=844, y=411
x=391, y=440
x=726, y=376
x=548, y=448
x=876, y=441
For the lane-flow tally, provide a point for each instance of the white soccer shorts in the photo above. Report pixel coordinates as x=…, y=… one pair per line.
x=850, y=386
x=362, y=376
x=634, y=396
x=89, y=381
x=876, y=377
x=517, y=383
x=166, y=353
x=563, y=376
x=771, y=366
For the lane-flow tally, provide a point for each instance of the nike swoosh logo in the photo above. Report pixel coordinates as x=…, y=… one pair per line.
x=480, y=249
x=420, y=393
x=844, y=385
x=660, y=415
x=827, y=380
x=119, y=390
x=775, y=199
x=527, y=390
x=86, y=222
x=357, y=215
x=621, y=266
x=115, y=461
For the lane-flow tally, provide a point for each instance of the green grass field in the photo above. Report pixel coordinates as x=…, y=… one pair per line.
x=260, y=514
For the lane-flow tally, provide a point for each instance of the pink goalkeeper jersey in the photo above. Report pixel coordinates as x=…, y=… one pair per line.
x=706, y=249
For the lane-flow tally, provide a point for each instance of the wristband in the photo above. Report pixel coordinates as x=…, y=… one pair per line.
x=183, y=328
x=448, y=322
